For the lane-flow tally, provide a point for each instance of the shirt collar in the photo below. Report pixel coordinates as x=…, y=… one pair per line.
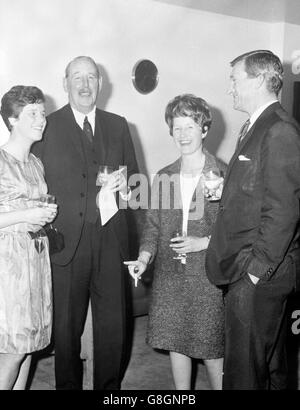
x=257, y=113
x=79, y=117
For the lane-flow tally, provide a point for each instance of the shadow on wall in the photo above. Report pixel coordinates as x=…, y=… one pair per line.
x=140, y=294
x=102, y=100
x=287, y=89
x=287, y=93
x=106, y=88
x=216, y=133
x=50, y=105
x=139, y=152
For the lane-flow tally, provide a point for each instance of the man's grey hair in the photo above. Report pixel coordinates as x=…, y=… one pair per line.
x=266, y=63
x=87, y=58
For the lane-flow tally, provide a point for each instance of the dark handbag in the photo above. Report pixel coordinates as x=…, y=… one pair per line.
x=55, y=238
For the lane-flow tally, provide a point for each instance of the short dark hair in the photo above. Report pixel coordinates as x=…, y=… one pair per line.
x=263, y=62
x=13, y=102
x=188, y=105
x=67, y=70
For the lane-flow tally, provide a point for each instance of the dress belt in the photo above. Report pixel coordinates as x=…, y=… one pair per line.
x=37, y=236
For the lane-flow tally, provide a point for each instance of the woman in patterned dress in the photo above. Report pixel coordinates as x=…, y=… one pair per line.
x=25, y=276
x=186, y=315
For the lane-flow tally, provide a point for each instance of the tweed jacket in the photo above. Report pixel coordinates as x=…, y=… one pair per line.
x=165, y=217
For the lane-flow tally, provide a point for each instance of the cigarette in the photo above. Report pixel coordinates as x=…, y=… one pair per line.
x=136, y=281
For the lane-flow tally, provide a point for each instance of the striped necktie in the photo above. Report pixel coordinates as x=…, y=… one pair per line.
x=243, y=131
x=87, y=129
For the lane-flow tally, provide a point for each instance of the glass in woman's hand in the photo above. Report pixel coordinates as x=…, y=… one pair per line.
x=45, y=199
x=179, y=256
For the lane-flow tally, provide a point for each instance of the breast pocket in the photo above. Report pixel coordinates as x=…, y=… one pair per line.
x=245, y=197
x=247, y=173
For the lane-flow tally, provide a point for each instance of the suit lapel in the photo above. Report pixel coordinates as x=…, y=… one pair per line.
x=74, y=131
x=257, y=128
x=238, y=150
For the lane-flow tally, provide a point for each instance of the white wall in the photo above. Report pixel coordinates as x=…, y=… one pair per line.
x=292, y=73
x=191, y=48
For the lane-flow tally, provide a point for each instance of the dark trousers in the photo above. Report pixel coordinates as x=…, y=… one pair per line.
x=96, y=273
x=255, y=333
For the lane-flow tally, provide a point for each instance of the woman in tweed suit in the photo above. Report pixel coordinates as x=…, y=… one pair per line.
x=186, y=311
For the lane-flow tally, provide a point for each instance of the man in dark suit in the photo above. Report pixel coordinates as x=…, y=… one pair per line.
x=78, y=138
x=253, y=248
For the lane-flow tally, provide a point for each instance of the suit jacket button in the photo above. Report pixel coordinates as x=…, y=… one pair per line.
x=80, y=213
x=221, y=208
x=82, y=195
x=83, y=176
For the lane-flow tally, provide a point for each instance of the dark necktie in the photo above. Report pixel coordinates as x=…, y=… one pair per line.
x=243, y=132
x=87, y=129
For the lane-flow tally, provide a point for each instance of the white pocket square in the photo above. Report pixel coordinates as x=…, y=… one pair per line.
x=243, y=158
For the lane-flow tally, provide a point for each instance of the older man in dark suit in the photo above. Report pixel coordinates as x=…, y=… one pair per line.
x=253, y=248
x=78, y=138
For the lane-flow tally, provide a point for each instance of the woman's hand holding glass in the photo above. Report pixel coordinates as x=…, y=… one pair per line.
x=40, y=215
x=44, y=212
x=177, y=237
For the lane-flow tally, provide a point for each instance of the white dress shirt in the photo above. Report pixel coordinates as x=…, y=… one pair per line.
x=79, y=117
x=187, y=186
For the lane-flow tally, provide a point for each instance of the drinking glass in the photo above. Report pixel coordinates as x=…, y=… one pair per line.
x=103, y=172
x=212, y=181
x=45, y=199
x=179, y=256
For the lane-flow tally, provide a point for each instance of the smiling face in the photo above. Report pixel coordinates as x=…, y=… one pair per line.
x=31, y=122
x=187, y=135
x=82, y=85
